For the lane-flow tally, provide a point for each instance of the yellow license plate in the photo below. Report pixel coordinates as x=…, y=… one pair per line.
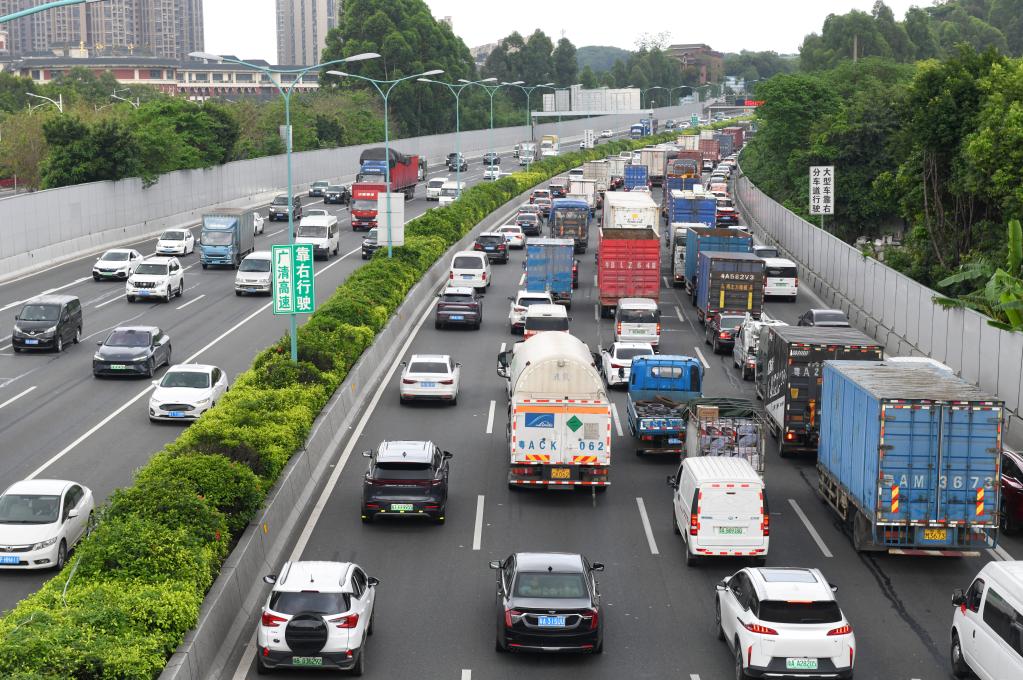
x=935, y=534
x=561, y=473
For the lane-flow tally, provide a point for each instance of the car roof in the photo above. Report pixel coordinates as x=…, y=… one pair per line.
x=39, y=486
x=1008, y=574
x=553, y=561
x=191, y=368
x=722, y=469
x=790, y=583
x=125, y=250
x=534, y=293
x=489, y=233
x=321, y=181
x=136, y=329
x=474, y=253
x=777, y=261
x=325, y=577
x=155, y=259
x=643, y=303
x=50, y=300
x=164, y=231
x=258, y=255
x=510, y=227
x=547, y=310
x=633, y=345
x=458, y=290
x=405, y=451
x=429, y=357
x=438, y=179
x=317, y=220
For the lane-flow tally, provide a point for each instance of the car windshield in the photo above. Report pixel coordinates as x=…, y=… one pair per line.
x=193, y=379
x=312, y=230
x=550, y=585
x=511, y=230
x=116, y=255
x=152, y=268
x=731, y=321
x=40, y=313
x=829, y=317
x=633, y=352
x=449, y=191
x=528, y=217
x=428, y=367
x=364, y=204
x=335, y=188
x=547, y=323
x=467, y=263
x=491, y=239
x=217, y=238
x=639, y=315
x=767, y=252
x=459, y=298
x=127, y=339
x=778, y=611
x=28, y=509
x=527, y=301
x=280, y=200
x=311, y=603
x=402, y=471
x=436, y=183
x=172, y=236
x=319, y=184
x=255, y=264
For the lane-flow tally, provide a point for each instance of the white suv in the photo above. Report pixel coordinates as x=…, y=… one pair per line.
x=318, y=615
x=156, y=277
x=781, y=621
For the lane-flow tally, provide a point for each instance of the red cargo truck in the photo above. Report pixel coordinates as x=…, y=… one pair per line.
x=711, y=149
x=404, y=170
x=738, y=134
x=628, y=265
x=364, y=205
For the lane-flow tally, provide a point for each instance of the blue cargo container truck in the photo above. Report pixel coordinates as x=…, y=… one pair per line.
x=718, y=240
x=660, y=389
x=909, y=457
x=549, y=268
x=636, y=176
x=729, y=283
x=689, y=206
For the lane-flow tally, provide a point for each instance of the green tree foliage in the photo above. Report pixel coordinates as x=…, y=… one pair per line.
x=565, y=66
x=1007, y=15
x=12, y=92
x=757, y=65
x=588, y=79
x=600, y=58
x=82, y=153
x=23, y=147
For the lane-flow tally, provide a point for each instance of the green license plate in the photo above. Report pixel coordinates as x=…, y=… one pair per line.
x=118, y=367
x=731, y=531
x=313, y=661
x=801, y=664
x=401, y=507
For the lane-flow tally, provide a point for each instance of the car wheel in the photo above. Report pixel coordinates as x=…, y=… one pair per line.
x=674, y=525
x=740, y=672
x=599, y=649
x=95, y=278
x=1005, y=524
x=454, y=402
x=717, y=620
x=168, y=359
x=61, y=555
x=59, y=347
x=691, y=559
x=360, y=664
x=16, y=349
x=960, y=668
x=78, y=335
x=238, y=293
x=204, y=265
x=181, y=286
x=402, y=400
x=438, y=325
x=152, y=368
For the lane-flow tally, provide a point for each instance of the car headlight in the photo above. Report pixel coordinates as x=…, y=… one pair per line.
x=44, y=544
x=51, y=330
x=202, y=402
x=97, y=357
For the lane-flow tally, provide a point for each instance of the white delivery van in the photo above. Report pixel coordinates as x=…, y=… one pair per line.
x=434, y=187
x=322, y=232
x=987, y=625
x=638, y=320
x=449, y=192
x=720, y=508
x=543, y=318
x=781, y=278
x=471, y=269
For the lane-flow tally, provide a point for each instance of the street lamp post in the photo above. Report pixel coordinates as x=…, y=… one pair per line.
x=492, y=90
x=58, y=102
x=41, y=8
x=457, y=91
x=286, y=93
x=387, y=143
x=529, y=112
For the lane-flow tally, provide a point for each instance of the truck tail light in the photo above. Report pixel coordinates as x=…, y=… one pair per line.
x=789, y=436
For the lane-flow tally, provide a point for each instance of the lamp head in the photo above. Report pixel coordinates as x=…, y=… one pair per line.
x=361, y=57
x=208, y=56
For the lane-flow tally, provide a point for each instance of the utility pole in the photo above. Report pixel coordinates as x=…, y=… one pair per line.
x=856, y=47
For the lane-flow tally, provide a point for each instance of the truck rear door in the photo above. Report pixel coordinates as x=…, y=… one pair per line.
x=909, y=472
x=561, y=434
x=968, y=460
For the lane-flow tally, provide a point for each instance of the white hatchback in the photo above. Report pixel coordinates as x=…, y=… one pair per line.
x=520, y=305
x=513, y=236
x=471, y=269
x=186, y=391
x=433, y=188
x=429, y=377
x=41, y=520
x=175, y=242
x=781, y=621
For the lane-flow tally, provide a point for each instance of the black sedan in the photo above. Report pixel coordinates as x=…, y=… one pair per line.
x=491, y=158
x=132, y=350
x=338, y=193
x=494, y=245
x=832, y=318
x=459, y=307
x=529, y=222
x=548, y=602
x=406, y=479
x=720, y=331
x=370, y=244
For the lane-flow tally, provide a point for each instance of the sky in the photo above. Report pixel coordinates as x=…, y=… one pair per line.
x=755, y=25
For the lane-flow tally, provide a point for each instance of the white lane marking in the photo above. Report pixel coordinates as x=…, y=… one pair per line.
x=490, y=418
x=596, y=312
x=666, y=284
x=477, y=531
x=13, y=304
x=503, y=346
x=119, y=323
x=618, y=422
x=195, y=299
x=104, y=304
x=66, y=285
x=594, y=280
x=17, y=396
x=274, y=233
x=809, y=527
x=466, y=674
x=703, y=360
x=522, y=279
x=998, y=552
x=694, y=676
x=646, y=527
x=679, y=314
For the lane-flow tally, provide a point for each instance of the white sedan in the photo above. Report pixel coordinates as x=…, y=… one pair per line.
x=606, y=134
x=258, y=223
x=118, y=263
x=616, y=360
x=186, y=391
x=175, y=242
x=41, y=520
x=429, y=376
x=513, y=236
x=492, y=173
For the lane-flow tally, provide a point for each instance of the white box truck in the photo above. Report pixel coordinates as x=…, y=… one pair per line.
x=599, y=172
x=630, y=210
x=581, y=186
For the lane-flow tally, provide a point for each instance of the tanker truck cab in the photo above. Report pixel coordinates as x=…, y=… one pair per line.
x=321, y=232
x=638, y=320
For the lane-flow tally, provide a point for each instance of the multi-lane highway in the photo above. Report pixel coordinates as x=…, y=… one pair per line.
x=58, y=421
x=435, y=615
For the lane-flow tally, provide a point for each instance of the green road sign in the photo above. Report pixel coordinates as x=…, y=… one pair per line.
x=694, y=119
x=293, y=279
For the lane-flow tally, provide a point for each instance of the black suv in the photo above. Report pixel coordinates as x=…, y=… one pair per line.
x=494, y=245
x=279, y=208
x=48, y=322
x=406, y=478
x=459, y=307
x=548, y=602
x=338, y=193
x=457, y=162
x=491, y=158
x=720, y=331
x=370, y=244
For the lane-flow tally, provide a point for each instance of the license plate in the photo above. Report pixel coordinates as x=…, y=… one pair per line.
x=428, y=384
x=935, y=534
x=561, y=473
x=490, y=247
x=251, y=290
x=9, y=559
x=467, y=276
x=144, y=293
x=457, y=317
x=731, y=531
x=551, y=621
x=674, y=441
x=118, y=367
x=801, y=664
x=401, y=507
x=307, y=660
x=177, y=414
x=31, y=342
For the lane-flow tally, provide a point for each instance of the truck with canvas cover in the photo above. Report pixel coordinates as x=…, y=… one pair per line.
x=404, y=170
x=909, y=457
x=729, y=427
x=559, y=416
x=789, y=373
x=660, y=388
x=570, y=219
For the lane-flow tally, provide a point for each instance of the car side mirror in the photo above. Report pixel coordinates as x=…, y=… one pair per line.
x=99, y=343
x=156, y=383
x=510, y=298
x=367, y=454
x=834, y=588
x=958, y=597
x=404, y=363
x=448, y=455
x=671, y=482
x=270, y=578
x=597, y=566
x=17, y=317
x=72, y=513
x=495, y=564
x=373, y=581
x=722, y=585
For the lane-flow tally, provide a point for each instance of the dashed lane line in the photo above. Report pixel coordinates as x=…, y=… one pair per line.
x=810, y=528
x=646, y=527
x=618, y=422
x=477, y=531
x=490, y=417
x=703, y=359
x=18, y=396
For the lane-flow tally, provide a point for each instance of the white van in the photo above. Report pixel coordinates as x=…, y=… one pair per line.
x=720, y=508
x=322, y=232
x=638, y=320
x=543, y=318
x=449, y=192
x=781, y=279
x=253, y=275
x=434, y=187
x=471, y=269
x=987, y=626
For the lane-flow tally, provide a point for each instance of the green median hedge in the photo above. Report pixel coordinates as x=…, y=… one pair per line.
x=135, y=585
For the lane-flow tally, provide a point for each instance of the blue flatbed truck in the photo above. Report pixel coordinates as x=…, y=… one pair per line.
x=909, y=457
x=660, y=389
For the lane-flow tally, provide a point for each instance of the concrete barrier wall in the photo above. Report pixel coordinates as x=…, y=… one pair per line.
x=43, y=228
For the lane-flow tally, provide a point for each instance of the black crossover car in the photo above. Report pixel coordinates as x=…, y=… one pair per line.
x=457, y=162
x=370, y=244
x=530, y=223
x=459, y=307
x=834, y=318
x=338, y=193
x=406, y=478
x=132, y=350
x=494, y=244
x=279, y=208
x=491, y=158
x=548, y=602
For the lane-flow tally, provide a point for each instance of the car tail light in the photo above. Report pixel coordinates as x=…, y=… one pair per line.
x=269, y=620
x=446, y=382
x=511, y=617
x=614, y=365
x=502, y=246
x=841, y=630
x=761, y=630
x=266, y=651
x=408, y=381
x=594, y=619
x=765, y=518
x=519, y=309
x=346, y=621
x=658, y=329
x=484, y=276
x=724, y=335
x=789, y=436
x=477, y=246
x=618, y=328
x=451, y=275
